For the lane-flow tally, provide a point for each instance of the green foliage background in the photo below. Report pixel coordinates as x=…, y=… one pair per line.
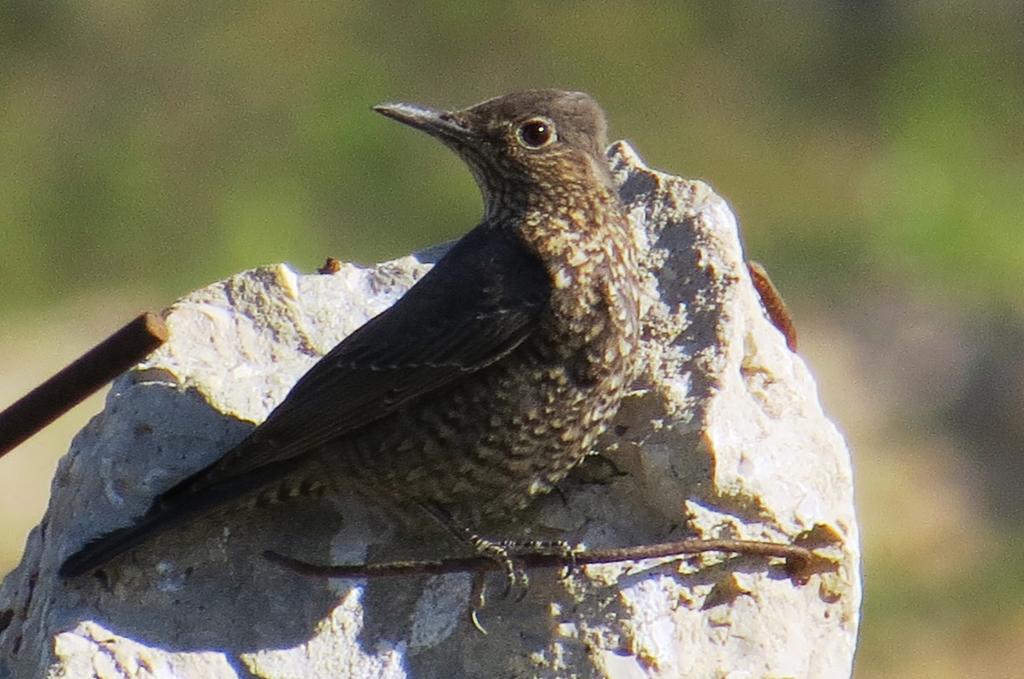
x=166, y=144
x=874, y=152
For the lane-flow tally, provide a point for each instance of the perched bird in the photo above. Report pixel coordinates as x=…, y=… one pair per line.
x=492, y=376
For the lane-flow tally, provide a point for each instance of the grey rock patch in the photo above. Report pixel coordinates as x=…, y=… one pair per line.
x=723, y=437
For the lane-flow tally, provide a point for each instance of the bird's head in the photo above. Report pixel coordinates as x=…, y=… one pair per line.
x=524, y=145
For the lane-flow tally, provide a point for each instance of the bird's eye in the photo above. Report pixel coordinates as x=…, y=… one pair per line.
x=535, y=133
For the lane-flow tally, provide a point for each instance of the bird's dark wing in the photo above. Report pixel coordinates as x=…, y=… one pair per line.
x=474, y=307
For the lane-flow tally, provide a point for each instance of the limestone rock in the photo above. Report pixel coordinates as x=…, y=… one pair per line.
x=724, y=437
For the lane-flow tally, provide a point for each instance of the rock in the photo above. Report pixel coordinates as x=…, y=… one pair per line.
x=724, y=437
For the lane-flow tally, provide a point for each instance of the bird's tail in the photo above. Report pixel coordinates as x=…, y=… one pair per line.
x=268, y=485
x=157, y=520
x=96, y=553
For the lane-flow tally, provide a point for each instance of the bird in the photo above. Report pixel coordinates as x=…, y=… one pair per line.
x=491, y=377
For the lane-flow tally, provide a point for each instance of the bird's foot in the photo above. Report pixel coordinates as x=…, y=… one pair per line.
x=502, y=552
x=559, y=548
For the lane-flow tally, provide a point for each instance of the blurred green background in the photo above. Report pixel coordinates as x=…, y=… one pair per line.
x=874, y=152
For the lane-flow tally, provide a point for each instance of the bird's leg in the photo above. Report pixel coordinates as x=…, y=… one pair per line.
x=559, y=548
x=502, y=553
x=598, y=468
x=497, y=551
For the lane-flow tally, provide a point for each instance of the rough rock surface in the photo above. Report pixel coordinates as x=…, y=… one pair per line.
x=724, y=437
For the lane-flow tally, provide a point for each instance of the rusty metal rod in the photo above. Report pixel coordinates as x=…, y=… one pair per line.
x=70, y=386
x=778, y=312
x=799, y=560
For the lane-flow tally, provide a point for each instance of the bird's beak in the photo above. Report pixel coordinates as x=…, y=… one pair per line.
x=444, y=125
